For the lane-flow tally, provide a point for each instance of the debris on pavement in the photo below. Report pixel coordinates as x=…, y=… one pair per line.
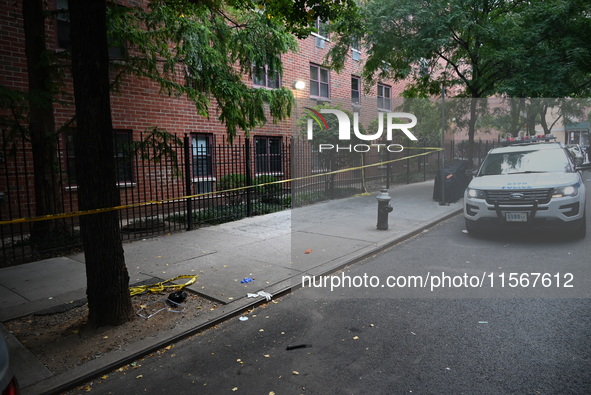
x=171, y=303
x=176, y=298
x=264, y=294
x=295, y=347
x=163, y=286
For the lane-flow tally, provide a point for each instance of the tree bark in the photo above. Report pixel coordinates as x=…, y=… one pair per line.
x=48, y=197
x=109, y=301
x=472, y=130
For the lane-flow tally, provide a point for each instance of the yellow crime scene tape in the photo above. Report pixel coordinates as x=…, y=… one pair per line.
x=163, y=286
x=122, y=207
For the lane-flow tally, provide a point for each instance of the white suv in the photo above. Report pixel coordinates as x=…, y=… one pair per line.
x=520, y=185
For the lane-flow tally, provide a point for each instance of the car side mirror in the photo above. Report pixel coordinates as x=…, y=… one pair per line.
x=471, y=172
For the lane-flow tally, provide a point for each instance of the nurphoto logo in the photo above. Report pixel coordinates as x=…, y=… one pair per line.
x=392, y=123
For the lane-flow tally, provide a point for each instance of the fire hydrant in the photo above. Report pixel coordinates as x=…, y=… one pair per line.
x=384, y=209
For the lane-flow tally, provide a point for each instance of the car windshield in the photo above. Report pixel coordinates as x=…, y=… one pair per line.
x=520, y=162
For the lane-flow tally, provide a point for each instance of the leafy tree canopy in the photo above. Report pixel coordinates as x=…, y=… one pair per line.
x=202, y=49
x=533, y=48
x=475, y=48
x=547, y=50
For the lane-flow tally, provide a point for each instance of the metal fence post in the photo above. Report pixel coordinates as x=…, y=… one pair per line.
x=188, y=182
x=248, y=178
x=408, y=170
x=388, y=169
x=424, y=157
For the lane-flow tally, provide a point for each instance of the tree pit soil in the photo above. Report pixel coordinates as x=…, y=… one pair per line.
x=61, y=339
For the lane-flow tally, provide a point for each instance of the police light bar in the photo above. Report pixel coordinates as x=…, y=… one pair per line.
x=540, y=138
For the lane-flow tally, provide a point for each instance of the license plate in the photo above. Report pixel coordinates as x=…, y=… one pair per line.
x=516, y=217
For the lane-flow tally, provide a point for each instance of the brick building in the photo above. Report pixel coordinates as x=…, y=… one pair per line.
x=138, y=106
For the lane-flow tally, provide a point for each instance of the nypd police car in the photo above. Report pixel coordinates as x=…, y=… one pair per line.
x=527, y=184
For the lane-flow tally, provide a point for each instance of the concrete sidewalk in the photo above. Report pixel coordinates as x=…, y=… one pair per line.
x=270, y=248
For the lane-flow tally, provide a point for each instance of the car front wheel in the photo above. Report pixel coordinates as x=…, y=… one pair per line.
x=579, y=230
x=472, y=228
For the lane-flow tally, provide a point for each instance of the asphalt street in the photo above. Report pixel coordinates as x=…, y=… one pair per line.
x=378, y=338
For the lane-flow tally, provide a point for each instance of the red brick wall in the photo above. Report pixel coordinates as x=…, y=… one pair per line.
x=139, y=105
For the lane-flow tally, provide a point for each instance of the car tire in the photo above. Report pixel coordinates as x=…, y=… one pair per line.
x=472, y=228
x=579, y=230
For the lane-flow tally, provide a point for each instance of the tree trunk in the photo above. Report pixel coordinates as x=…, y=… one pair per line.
x=532, y=113
x=472, y=130
x=109, y=301
x=516, y=106
x=543, y=120
x=48, y=197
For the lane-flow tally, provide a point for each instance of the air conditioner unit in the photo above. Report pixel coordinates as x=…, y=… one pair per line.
x=320, y=42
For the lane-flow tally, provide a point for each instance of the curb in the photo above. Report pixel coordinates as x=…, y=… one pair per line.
x=92, y=369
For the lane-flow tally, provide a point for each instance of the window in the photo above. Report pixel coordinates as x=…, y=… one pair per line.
x=355, y=90
x=526, y=161
x=322, y=28
x=355, y=49
x=319, y=81
x=268, y=155
x=63, y=24
x=201, y=151
x=70, y=158
x=202, y=158
x=63, y=31
x=193, y=72
x=265, y=76
x=322, y=33
x=123, y=156
x=384, y=97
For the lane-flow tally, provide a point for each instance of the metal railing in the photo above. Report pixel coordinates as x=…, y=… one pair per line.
x=195, y=182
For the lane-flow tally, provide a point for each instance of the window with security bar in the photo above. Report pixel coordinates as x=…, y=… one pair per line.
x=268, y=155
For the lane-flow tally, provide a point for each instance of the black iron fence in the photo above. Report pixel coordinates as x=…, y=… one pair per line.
x=182, y=184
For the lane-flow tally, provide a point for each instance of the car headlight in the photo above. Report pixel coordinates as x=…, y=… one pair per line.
x=475, y=193
x=571, y=190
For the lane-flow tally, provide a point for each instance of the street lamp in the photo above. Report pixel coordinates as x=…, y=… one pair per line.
x=299, y=85
x=424, y=72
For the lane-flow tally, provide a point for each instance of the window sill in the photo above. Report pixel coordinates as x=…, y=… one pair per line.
x=270, y=174
x=320, y=37
x=126, y=184
x=206, y=178
x=120, y=185
x=264, y=87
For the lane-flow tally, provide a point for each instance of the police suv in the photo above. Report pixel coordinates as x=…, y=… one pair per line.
x=527, y=183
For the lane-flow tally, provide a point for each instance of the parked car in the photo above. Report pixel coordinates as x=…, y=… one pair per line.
x=577, y=152
x=8, y=382
x=527, y=185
